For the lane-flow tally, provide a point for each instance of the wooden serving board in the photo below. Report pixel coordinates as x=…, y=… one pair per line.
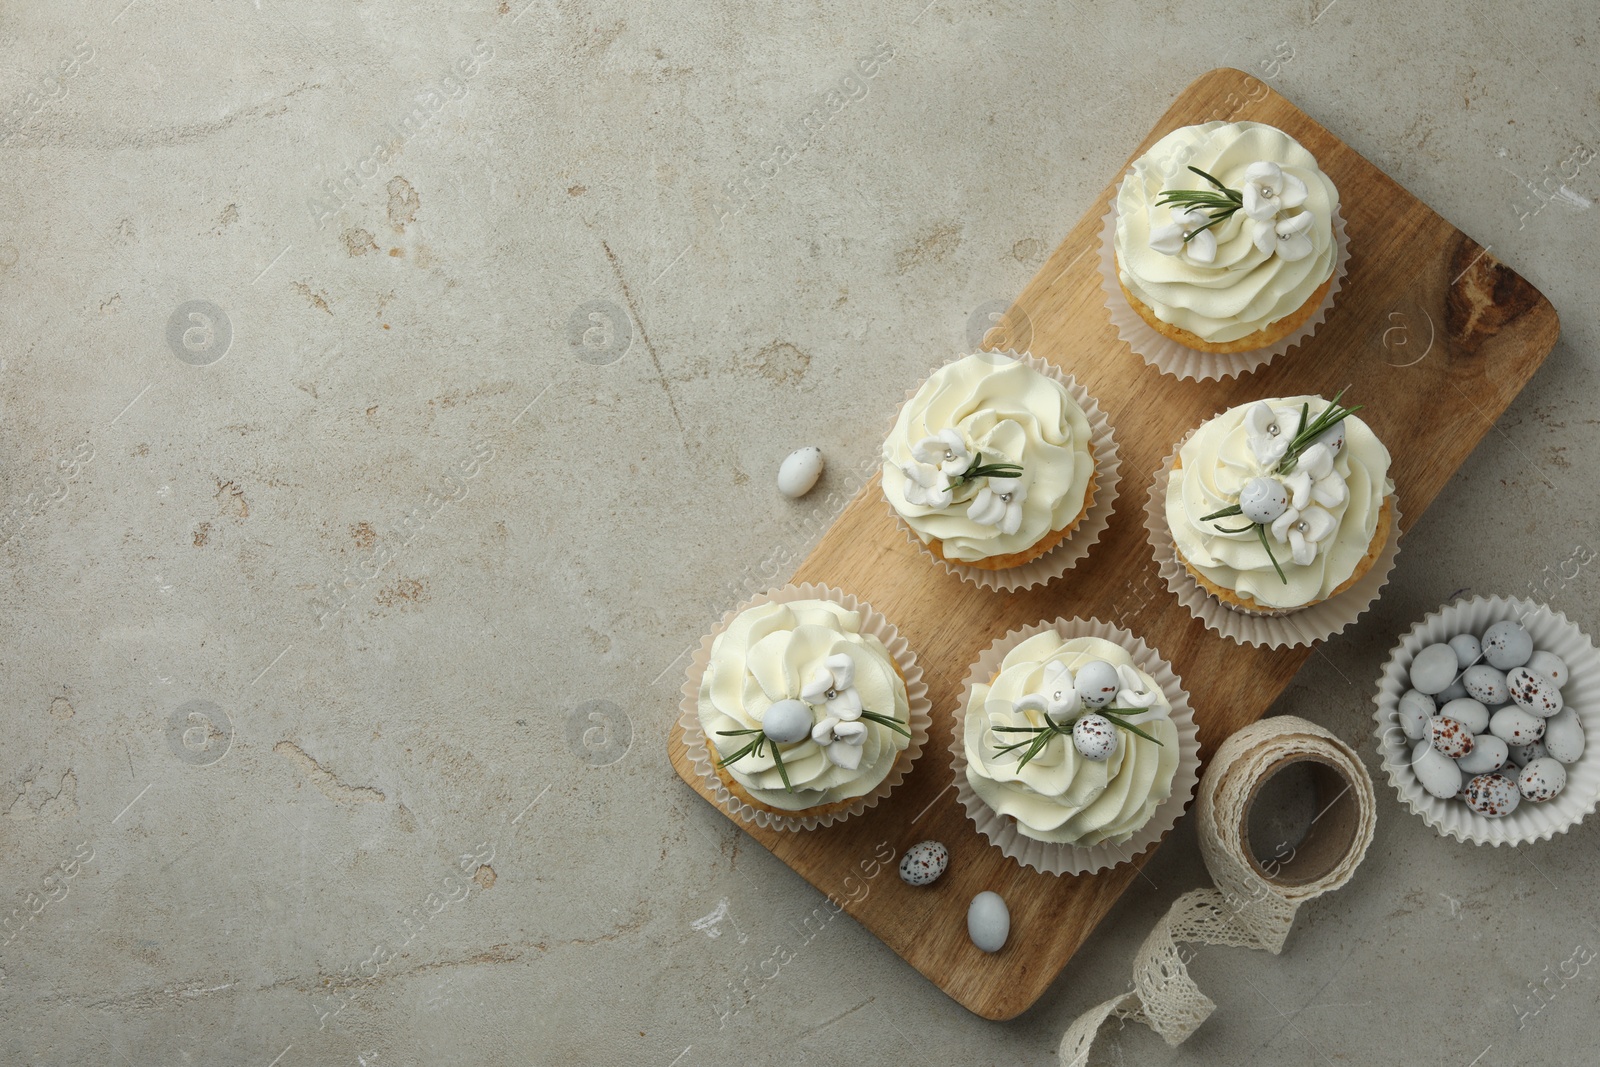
x=1415, y=285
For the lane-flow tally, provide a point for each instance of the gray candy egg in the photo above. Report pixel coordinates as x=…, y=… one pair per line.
x=1533, y=692
x=1506, y=644
x=1515, y=726
x=1095, y=737
x=1549, y=665
x=1489, y=753
x=1437, y=773
x=1433, y=669
x=1414, y=712
x=923, y=863
x=787, y=721
x=1449, y=737
x=1467, y=650
x=988, y=921
x=1522, y=755
x=1493, y=795
x=1096, y=683
x=1486, y=685
x=1263, y=499
x=1454, y=691
x=1563, y=736
x=1541, y=780
x=1468, y=712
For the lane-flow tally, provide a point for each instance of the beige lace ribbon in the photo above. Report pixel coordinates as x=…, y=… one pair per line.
x=1252, y=905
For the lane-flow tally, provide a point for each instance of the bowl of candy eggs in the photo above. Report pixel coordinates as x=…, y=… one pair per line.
x=1483, y=715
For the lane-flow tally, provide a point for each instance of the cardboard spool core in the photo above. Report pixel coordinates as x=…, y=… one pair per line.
x=1330, y=836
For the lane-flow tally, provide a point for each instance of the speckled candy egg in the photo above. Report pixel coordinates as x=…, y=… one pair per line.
x=1438, y=773
x=1414, y=712
x=1515, y=726
x=1541, y=780
x=1493, y=795
x=1449, y=737
x=1433, y=669
x=988, y=921
x=1506, y=644
x=1563, y=736
x=923, y=863
x=787, y=721
x=799, y=471
x=1533, y=692
x=1486, y=685
x=1467, y=650
x=1263, y=499
x=1468, y=712
x=1489, y=753
x=1522, y=755
x=1095, y=737
x=1097, y=682
x=1549, y=665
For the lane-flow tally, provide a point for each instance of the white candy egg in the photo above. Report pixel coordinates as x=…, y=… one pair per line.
x=1533, y=692
x=1522, y=755
x=1549, y=665
x=1433, y=669
x=1438, y=773
x=923, y=863
x=1454, y=691
x=1449, y=737
x=1563, y=736
x=799, y=471
x=988, y=921
x=1467, y=650
x=1486, y=684
x=1489, y=753
x=1515, y=726
x=1263, y=499
x=1541, y=780
x=1097, y=683
x=1095, y=737
x=787, y=721
x=1506, y=644
x=1468, y=712
x=1414, y=712
x=1493, y=795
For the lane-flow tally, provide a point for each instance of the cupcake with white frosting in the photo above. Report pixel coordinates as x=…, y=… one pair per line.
x=804, y=709
x=1280, y=504
x=990, y=463
x=1224, y=237
x=1070, y=742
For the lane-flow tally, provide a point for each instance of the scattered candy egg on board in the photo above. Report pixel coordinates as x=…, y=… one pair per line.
x=923, y=863
x=799, y=471
x=989, y=921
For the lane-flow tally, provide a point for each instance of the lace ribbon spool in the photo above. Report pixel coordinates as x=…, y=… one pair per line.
x=1250, y=906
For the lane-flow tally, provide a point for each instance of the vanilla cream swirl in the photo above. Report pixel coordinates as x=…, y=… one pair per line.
x=1062, y=796
x=1244, y=289
x=1216, y=463
x=1010, y=413
x=767, y=654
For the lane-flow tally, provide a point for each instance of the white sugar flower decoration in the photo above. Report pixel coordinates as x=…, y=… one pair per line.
x=999, y=504
x=1267, y=433
x=947, y=450
x=1305, y=530
x=1314, y=480
x=1174, y=238
x=927, y=487
x=1285, y=236
x=1059, y=701
x=1268, y=190
x=833, y=685
x=841, y=741
x=1133, y=693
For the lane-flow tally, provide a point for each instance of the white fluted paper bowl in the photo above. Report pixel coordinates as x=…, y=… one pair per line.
x=1551, y=632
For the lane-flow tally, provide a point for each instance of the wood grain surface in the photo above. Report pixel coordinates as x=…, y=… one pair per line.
x=1429, y=330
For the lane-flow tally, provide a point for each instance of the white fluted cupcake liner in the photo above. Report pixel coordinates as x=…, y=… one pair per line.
x=1179, y=360
x=1551, y=632
x=1303, y=626
x=694, y=738
x=1053, y=858
x=1075, y=546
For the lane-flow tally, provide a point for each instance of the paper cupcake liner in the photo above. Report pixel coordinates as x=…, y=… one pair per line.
x=694, y=737
x=1048, y=857
x=1551, y=632
x=1302, y=626
x=1075, y=546
x=1179, y=360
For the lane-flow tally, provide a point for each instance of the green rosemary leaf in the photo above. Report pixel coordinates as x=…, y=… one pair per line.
x=1132, y=729
x=884, y=720
x=1262, y=530
x=1242, y=529
x=1231, y=509
x=783, y=772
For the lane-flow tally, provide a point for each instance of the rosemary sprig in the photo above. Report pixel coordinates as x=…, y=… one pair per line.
x=884, y=720
x=1261, y=531
x=1302, y=440
x=1042, y=735
x=1221, y=201
x=979, y=469
x=754, y=748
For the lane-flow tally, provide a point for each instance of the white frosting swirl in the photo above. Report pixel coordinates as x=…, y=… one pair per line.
x=1242, y=289
x=1216, y=463
x=1009, y=412
x=769, y=653
x=1061, y=796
